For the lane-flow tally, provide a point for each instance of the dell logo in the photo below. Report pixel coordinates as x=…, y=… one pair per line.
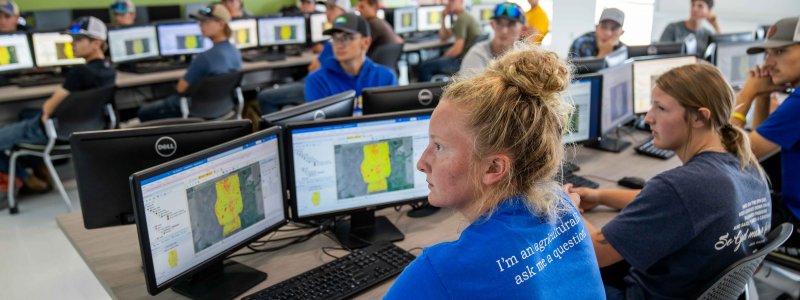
x=425, y=97
x=319, y=115
x=652, y=50
x=166, y=146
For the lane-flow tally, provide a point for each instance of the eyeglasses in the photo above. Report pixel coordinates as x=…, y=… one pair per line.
x=343, y=39
x=507, y=9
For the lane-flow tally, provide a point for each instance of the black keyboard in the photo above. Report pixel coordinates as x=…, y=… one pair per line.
x=576, y=181
x=344, y=277
x=144, y=68
x=649, y=149
x=570, y=167
x=37, y=80
x=260, y=56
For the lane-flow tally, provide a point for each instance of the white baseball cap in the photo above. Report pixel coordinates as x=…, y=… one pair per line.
x=88, y=27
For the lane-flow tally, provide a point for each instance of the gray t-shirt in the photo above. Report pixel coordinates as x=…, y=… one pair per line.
x=677, y=32
x=222, y=58
x=477, y=58
x=688, y=224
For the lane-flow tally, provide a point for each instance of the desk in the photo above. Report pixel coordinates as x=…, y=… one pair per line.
x=437, y=43
x=112, y=254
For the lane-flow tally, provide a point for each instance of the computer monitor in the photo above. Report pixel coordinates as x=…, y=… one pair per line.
x=102, y=176
x=194, y=211
x=101, y=13
x=182, y=38
x=354, y=166
x=483, y=12
x=164, y=13
x=732, y=37
x=132, y=43
x=655, y=49
x=52, y=49
x=617, y=94
x=429, y=18
x=244, y=33
x=56, y=19
x=645, y=73
x=584, y=94
x=193, y=8
x=282, y=31
x=587, y=65
x=381, y=14
x=15, y=52
x=734, y=62
x=336, y=106
x=403, y=19
x=318, y=24
x=421, y=95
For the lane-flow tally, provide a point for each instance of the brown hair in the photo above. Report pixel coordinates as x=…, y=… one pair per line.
x=710, y=3
x=228, y=31
x=515, y=108
x=702, y=85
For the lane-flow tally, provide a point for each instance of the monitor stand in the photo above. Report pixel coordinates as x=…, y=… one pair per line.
x=640, y=124
x=607, y=143
x=220, y=280
x=364, y=229
x=422, y=210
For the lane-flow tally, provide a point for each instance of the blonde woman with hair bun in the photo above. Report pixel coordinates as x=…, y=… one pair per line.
x=495, y=146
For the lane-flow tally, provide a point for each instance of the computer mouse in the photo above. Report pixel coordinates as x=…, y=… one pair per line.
x=631, y=182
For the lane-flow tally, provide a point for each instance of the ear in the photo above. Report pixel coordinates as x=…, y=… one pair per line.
x=494, y=26
x=495, y=169
x=367, y=41
x=701, y=118
x=621, y=32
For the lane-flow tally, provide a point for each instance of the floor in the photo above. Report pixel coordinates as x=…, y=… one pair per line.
x=38, y=262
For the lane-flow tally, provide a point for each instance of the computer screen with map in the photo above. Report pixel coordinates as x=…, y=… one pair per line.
x=15, y=52
x=616, y=97
x=429, y=18
x=194, y=211
x=353, y=166
x=181, y=39
x=52, y=49
x=244, y=33
x=645, y=73
x=132, y=43
x=584, y=95
x=281, y=31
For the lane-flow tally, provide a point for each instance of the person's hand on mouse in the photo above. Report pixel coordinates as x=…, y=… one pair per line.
x=589, y=198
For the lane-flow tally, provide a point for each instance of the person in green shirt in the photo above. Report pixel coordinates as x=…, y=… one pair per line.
x=465, y=30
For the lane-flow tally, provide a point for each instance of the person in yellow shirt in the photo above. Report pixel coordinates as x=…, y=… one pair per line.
x=538, y=23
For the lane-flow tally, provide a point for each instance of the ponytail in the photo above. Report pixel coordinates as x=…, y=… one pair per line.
x=737, y=142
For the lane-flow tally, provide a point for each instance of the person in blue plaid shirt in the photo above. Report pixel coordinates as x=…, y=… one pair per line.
x=605, y=38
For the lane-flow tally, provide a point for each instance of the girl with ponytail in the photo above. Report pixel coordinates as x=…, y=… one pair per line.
x=689, y=223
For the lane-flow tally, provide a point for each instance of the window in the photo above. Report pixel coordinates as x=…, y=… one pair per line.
x=638, y=13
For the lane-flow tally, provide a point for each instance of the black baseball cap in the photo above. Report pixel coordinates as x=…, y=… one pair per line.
x=350, y=23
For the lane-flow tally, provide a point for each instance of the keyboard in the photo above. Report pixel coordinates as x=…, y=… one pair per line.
x=155, y=67
x=576, y=181
x=260, y=56
x=649, y=149
x=37, y=80
x=570, y=167
x=344, y=277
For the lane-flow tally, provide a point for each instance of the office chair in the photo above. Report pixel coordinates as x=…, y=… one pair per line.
x=388, y=55
x=738, y=277
x=80, y=111
x=214, y=98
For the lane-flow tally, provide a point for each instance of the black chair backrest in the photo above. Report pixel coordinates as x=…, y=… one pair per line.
x=213, y=97
x=730, y=284
x=168, y=121
x=388, y=55
x=82, y=111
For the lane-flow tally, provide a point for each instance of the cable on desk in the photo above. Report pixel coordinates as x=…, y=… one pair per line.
x=297, y=240
x=415, y=248
x=325, y=251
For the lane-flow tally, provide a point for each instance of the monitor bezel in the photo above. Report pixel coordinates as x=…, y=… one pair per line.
x=122, y=28
x=394, y=18
x=33, y=51
x=258, y=24
x=158, y=37
x=312, y=106
x=376, y=92
x=29, y=40
x=141, y=221
x=597, y=105
x=444, y=18
x=333, y=122
x=310, y=29
x=258, y=43
x=648, y=58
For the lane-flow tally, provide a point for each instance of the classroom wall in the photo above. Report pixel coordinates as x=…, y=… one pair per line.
x=255, y=6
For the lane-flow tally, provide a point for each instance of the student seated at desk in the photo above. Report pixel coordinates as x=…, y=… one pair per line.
x=495, y=146
x=466, y=31
x=777, y=130
x=89, y=36
x=124, y=12
x=381, y=31
x=349, y=68
x=682, y=229
x=702, y=24
x=222, y=58
x=9, y=17
x=604, y=39
x=507, y=24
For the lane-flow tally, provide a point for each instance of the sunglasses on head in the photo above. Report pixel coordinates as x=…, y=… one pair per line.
x=119, y=8
x=205, y=11
x=507, y=9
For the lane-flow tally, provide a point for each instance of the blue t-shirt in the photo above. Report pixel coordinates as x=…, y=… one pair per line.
x=327, y=52
x=222, y=58
x=688, y=224
x=782, y=127
x=512, y=255
x=331, y=79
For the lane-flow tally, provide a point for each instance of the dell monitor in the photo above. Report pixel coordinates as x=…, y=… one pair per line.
x=414, y=96
x=53, y=49
x=192, y=212
x=135, y=43
x=102, y=176
x=584, y=95
x=587, y=65
x=244, y=33
x=403, y=19
x=56, y=19
x=100, y=13
x=429, y=18
x=182, y=38
x=615, y=106
x=645, y=73
x=354, y=166
x=734, y=62
x=318, y=23
x=483, y=12
x=163, y=13
x=282, y=31
x=655, y=49
x=336, y=106
x=15, y=52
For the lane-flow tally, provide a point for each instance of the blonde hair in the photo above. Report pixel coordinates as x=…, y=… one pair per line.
x=514, y=107
x=702, y=85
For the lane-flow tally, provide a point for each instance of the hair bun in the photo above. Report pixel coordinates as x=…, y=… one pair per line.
x=534, y=71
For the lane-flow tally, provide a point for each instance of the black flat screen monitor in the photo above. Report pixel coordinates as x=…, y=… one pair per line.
x=134, y=43
x=402, y=19
x=278, y=31
x=733, y=37
x=101, y=13
x=336, y=106
x=655, y=49
x=584, y=93
x=588, y=65
x=192, y=212
x=181, y=38
x=400, y=98
x=57, y=19
x=734, y=62
x=104, y=160
x=617, y=97
x=645, y=72
x=163, y=13
x=16, y=49
x=354, y=166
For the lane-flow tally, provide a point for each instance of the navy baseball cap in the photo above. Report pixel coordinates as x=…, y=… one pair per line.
x=350, y=23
